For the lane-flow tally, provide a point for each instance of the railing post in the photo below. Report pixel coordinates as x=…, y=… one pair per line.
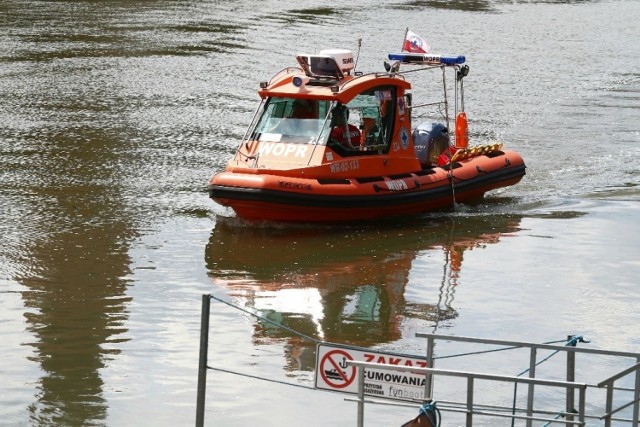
x=636, y=396
x=428, y=384
x=532, y=374
x=202, y=366
x=583, y=405
x=470, y=401
x=360, y=396
x=571, y=377
x=609, y=405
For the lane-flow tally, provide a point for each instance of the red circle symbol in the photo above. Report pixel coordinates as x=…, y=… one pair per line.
x=334, y=370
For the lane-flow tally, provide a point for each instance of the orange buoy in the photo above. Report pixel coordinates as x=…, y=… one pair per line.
x=462, y=131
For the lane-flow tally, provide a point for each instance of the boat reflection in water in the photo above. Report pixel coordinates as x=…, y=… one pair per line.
x=345, y=285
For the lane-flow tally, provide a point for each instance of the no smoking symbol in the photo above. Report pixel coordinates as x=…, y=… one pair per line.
x=334, y=369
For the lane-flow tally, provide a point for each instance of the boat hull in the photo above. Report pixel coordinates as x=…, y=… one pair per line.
x=267, y=196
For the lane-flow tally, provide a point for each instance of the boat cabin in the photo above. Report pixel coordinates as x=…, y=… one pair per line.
x=323, y=112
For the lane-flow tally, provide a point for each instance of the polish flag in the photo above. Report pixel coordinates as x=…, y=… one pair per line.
x=413, y=43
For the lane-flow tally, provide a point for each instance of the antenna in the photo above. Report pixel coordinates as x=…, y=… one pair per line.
x=405, y=37
x=357, y=55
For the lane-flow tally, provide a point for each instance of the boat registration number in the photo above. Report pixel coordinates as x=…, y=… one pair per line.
x=345, y=166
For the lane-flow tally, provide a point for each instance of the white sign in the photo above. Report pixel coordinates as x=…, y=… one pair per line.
x=333, y=373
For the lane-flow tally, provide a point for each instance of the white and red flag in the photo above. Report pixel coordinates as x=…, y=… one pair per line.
x=413, y=43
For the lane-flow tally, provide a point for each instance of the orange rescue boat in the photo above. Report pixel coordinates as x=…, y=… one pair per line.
x=329, y=144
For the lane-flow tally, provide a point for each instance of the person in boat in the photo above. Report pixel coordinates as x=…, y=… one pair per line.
x=344, y=133
x=302, y=109
x=298, y=118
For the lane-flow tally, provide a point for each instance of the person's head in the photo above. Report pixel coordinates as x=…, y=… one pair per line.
x=340, y=115
x=302, y=108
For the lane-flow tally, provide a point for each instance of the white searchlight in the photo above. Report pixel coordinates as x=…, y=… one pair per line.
x=300, y=81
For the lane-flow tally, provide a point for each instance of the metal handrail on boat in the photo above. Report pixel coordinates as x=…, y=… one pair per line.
x=284, y=72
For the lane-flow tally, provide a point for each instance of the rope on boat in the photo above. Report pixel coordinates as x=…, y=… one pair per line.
x=467, y=153
x=453, y=188
x=478, y=150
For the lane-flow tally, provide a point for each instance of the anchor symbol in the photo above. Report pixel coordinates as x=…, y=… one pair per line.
x=336, y=371
x=343, y=364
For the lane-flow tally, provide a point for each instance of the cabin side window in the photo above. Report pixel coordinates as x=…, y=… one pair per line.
x=373, y=112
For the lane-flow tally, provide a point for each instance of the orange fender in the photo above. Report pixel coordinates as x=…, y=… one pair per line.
x=462, y=130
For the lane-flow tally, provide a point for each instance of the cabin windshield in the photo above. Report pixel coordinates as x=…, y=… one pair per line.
x=362, y=126
x=291, y=120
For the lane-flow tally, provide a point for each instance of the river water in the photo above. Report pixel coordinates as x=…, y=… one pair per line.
x=113, y=115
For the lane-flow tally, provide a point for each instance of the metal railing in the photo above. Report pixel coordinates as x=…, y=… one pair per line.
x=469, y=405
x=529, y=414
x=609, y=383
x=571, y=352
